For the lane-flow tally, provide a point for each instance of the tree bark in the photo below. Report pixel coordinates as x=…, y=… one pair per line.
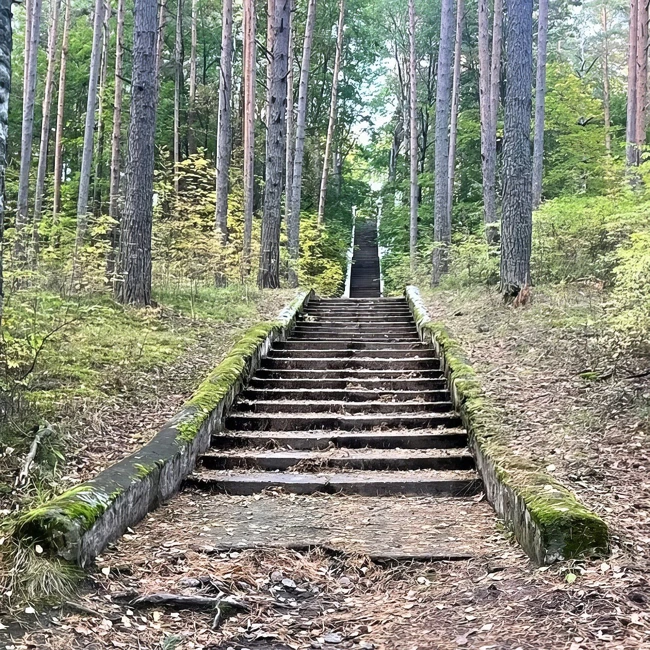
x=178, y=83
x=89, y=129
x=224, y=129
x=29, y=96
x=293, y=223
x=495, y=72
x=453, y=130
x=249, y=127
x=60, y=113
x=101, y=118
x=288, y=167
x=606, y=93
x=191, y=113
x=135, y=244
x=45, y=126
x=5, y=88
x=160, y=39
x=114, y=191
x=442, y=224
x=270, y=17
x=517, y=220
x=630, y=130
x=269, y=271
x=413, y=226
x=641, y=78
x=540, y=103
x=332, y=114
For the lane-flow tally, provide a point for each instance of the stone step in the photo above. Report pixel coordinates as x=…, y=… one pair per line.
x=449, y=438
x=364, y=312
x=334, y=363
x=352, y=337
x=350, y=345
x=384, y=460
x=332, y=421
x=284, y=393
x=423, y=482
x=366, y=328
x=350, y=384
x=355, y=319
x=342, y=407
x=358, y=301
x=351, y=374
x=422, y=353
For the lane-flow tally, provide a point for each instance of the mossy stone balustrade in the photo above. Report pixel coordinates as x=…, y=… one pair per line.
x=79, y=523
x=546, y=518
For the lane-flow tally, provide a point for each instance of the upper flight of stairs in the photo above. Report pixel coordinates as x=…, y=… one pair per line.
x=364, y=277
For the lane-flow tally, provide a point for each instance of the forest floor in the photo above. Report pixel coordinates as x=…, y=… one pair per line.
x=568, y=402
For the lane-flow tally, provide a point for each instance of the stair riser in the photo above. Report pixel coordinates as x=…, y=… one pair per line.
x=352, y=408
x=346, y=395
x=345, y=384
x=350, y=375
x=351, y=354
x=363, y=328
x=353, y=345
x=356, y=320
x=346, y=337
x=349, y=364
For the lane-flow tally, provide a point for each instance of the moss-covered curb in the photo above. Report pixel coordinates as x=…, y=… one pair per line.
x=546, y=518
x=79, y=523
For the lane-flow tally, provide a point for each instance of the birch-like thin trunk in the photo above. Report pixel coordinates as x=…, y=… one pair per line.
x=89, y=129
x=495, y=71
x=332, y=114
x=29, y=96
x=630, y=129
x=540, y=103
x=276, y=140
x=101, y=119
x=413, y=225
x=224, y=128
x=250, y=71
x=270, y=16
x=45, y=126
x=60, y=114
x=5, y=88
x=178, y=82
x=114, y=191
x=455, y=96
x=293, y=223
x=606, y=93
x=191, y=113
x=441, y=222
x=160, y=39
x=641, y=78
x=288, y=166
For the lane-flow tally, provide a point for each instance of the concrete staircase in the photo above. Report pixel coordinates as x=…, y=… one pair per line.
x=364, y=276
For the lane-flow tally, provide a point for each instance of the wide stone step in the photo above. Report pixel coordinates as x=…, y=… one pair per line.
x=350, y=345
x=362, y=459
x=356, y=320
x=449, y=438
x=332, y=421
x=351, y=337
x=377, y=312
x=422, y=353
x=341, y=407
x=346, y=373
x=369, y=328
x=334, y=363
x=345, y=395
x=424, y=482
x=349, y=384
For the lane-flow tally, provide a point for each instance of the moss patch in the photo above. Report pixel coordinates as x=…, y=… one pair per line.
x=567, y=528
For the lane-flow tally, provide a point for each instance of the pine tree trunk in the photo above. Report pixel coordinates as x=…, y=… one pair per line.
x=60, y=114
x=540, y=103
x=641, y=78
x=114, y=191
x=606, y=93
x=160, y=39
x=249, y=127
x=270, y=17
x=495, y=72
x=332, y=114
x=29, y=96
x=45, y=126
x=413, y=226
x=288, y=166
x=5, y=88
x=630, y=130
x=293, y=223
x=191, y=113
x=101, y=120
x=89, y=129
x=269, y=271
x=517, y=220
x=135, y=244
x=442, y=224
x=224, y=130
x=453, y=130
x=178, y=83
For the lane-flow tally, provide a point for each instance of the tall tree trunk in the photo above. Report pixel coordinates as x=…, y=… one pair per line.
x=89, y=129
x=5, y=88
x=135, y=244
x=495, y=71
x=270, y=17
x=101, y=119
x=630, y=130
x=191, y=113
x=517, y=220
x=453, y=130
x=29, y=96
x=441, y=222
x=114, y=191
x=540, y=103
x=224, y=132
x=288, y=166
x=269, y=271
x=606, y=93
x=413, y=226
x=641, y=77
x=249, y=127
x=45, y=125
x=332, y=115
x=60, y=113
x=160, y=39
x=293, y=223
x=178, y=83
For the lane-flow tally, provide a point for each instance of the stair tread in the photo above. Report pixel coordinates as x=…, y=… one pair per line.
x=363, y=452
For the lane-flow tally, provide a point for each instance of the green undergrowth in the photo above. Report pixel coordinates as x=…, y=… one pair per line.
x=568, y=528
